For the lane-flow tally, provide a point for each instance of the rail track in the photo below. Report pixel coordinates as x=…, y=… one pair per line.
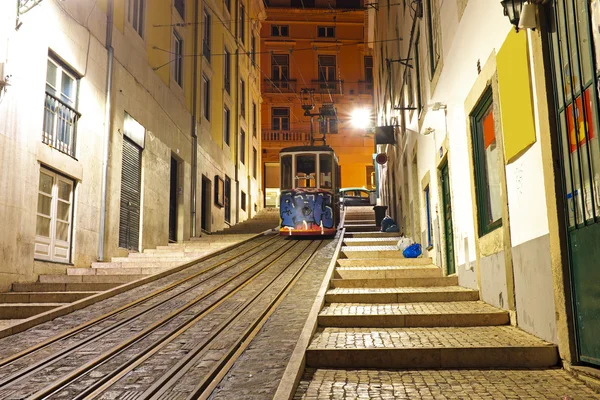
x=175, y=342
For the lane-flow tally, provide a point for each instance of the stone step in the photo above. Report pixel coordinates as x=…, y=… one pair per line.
x=89, y=278
x=390, y=241
x=395, y=282
x=152, y=260
x=146, y=264
x=362, y=228
x=25, y=310
x=43, y=297
x=400, y=295
x=442, y=347
x=360, y=221
x=371, y=252
x=170, y=254
x=382, y=262
x=141, y=270
x=353, y=235
x=385, y=315
x=392, y=272
x=62, y=287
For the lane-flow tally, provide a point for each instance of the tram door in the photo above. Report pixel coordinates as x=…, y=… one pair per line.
x=576, y=71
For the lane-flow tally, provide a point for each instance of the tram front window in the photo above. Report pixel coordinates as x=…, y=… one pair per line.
x=306, y=171
x=325, y=171
x=286, y=172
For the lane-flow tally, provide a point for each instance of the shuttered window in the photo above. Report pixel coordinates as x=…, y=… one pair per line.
x=54, y=214
x=131, y=177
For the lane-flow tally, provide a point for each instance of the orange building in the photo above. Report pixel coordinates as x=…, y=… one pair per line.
x=312, y=46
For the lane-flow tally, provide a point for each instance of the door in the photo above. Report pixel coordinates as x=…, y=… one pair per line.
x=206, y=204
x=131, y=183
x=576, y=72
x=447, y=209
x=173, y=201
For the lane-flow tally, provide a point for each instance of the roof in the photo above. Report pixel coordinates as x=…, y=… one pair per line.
x=305, y=148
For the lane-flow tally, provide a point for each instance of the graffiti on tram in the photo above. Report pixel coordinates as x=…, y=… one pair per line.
x=305, y=210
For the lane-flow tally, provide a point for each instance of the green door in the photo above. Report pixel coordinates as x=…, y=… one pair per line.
x=447, y=207
x=576, y=72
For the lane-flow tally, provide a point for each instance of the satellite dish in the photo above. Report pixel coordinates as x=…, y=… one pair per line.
x=381, y=158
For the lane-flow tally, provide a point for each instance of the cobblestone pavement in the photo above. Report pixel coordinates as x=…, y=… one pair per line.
x=439, y=337
x=493, y=384
x=435, y=308
x=256, y=374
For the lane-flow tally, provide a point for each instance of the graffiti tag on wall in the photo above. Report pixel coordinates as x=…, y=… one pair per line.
x=306, y=209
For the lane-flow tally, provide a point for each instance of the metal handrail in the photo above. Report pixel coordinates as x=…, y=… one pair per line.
x=60, y=125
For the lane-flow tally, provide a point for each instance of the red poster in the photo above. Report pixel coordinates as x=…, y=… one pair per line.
x=489, y=135
x=581, y=125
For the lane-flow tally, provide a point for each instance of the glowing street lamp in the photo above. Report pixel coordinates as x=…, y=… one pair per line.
x=361, y=118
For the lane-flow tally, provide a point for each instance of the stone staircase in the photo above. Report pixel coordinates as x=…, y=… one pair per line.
x=383, y=311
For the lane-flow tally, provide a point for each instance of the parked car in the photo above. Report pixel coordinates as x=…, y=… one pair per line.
x=356, y=197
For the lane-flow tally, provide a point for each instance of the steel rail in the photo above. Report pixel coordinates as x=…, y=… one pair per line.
x=99, y=360
x=62, y=353
x=161, y=386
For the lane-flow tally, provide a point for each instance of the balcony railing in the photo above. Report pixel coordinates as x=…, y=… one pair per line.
x=285, y=136
x=60, y=125
x=333, y=87
x=365, y=87
x=272, y=86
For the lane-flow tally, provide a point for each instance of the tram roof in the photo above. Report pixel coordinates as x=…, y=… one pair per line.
x=305, y=148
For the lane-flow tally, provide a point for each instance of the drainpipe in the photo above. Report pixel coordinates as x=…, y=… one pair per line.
x=237, y=132
x=195, y=124
x=107, y=128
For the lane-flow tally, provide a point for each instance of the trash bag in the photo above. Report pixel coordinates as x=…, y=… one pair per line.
x=393, y=228
x=412, y=251
x=386, y=223
x=404, y=243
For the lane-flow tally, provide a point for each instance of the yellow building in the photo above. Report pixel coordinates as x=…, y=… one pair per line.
x=309, y=47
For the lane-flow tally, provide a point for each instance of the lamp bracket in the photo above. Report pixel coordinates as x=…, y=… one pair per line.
x=403, y=61
x=405, y=108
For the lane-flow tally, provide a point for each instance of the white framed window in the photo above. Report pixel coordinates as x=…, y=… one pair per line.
x=280, y=30
x=135, y=15
x=60, y=115
x=206, y=97
x=178, y=62
x=226, y=125
x=243, y=98
x=54, y=214
x=326, y=31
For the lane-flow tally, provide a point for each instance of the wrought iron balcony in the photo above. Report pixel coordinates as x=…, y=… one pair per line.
x=365, y=87
x=285, y=136
x=272, y=86
x=60, y=125
x=332, y=87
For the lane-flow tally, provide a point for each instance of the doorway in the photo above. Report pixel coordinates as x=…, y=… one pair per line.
x=206, y=204
x=447, y=214
x=131, y=183
x=173, y=200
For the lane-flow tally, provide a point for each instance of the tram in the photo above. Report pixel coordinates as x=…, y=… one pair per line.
x=310, y=183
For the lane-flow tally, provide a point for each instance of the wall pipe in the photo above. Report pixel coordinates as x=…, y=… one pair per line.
x=107, y=128
x=194, y=192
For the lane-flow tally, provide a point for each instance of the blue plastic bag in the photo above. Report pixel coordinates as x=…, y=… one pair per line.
x=412, y=251
x=386, y=223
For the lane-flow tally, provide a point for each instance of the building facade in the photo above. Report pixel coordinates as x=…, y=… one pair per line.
x=111, y=127
x=316, y=48
x=494, y=165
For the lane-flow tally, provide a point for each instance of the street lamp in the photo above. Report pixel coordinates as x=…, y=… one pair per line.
x=512, y=9
x=361, y=118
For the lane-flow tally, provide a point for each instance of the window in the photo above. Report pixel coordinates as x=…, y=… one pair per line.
x=242, y=24
x=417, y=66
x=206, y=35
x=219, y=191
x=280, y=119
x=243, y=201
x=227, y=199
x=410, y=88
x=325, y=171
x=54, y=214
x=434, y=35
x=306, y=171
x=178, y=64
x=180, y=7
x=253, y=49
x=328, y=125
x=228, y=5
x=255, y=162
x=286, y=172
x=243, y=98
x=369, y=69
x=280, y=64
x=254, y=121
x=326, y=31
x=226, y=125
x=135, y=15
x=326, y=68
x=206, y=97
x=280, y=30
x=243, y=147
x=227, y=71
x=487, y=165
x=60, y=115
x=428, y=211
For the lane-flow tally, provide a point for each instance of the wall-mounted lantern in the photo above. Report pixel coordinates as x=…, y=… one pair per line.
x=512, y=9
